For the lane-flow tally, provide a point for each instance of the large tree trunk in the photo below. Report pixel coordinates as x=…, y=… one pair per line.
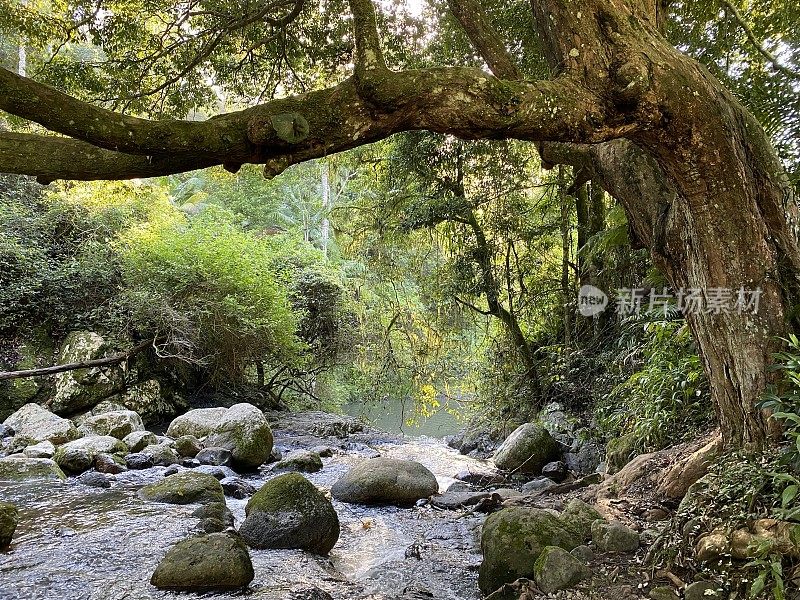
x=701, y=186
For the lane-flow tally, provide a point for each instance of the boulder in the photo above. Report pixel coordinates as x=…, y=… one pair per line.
x=214, y=456
x=18, y=468
x=677, y=479
x=33, y=424
x=94, y=479
x=118, y=424
x=703, y=590
x=583, y=553
x=614, y=537
x=110, y=464
x=244, y=431
x=455, y=500
x=556, y=470
x=84, y=388
x=188, y=487
x=9, y=518
x=580, y=517
x=198, y=422
x=290, y=512
x=78, y=455
x=187, y=446
x=301, y=460
x=556, y=569
x=138, y=461
x=385, y=481
x=162, y=455
x=620, y=451
x=236, y=487
x=529, y=448
x=44, y=449
x=585, y=455
x=146, y=398
x=218, y=561
x=512, y=540
x=136, y=441
x=663, y=592
x=218, y=472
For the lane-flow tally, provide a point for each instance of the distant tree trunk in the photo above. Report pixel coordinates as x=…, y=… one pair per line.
x=567, y=290
x=326, y=200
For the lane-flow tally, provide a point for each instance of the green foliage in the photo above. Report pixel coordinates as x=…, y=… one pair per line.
x=208, y=292
x=666, y=399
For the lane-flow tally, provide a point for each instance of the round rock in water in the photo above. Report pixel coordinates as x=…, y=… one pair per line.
x=138, y=461
x=386, y=481
x=94, y=479
x=188, y=487
x=218, y=561
x=217, y=457
x=290, y=512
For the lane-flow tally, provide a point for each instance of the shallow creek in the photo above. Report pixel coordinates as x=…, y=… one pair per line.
x=75, y=542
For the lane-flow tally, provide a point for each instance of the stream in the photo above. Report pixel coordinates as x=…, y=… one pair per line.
x=76, y=542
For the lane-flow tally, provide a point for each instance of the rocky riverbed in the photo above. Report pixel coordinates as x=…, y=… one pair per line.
x=78, y=542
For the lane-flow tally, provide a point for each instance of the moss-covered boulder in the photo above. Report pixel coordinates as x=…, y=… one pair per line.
x=198, y=422
x=529, y=448
x=188, y=446
x=117, y=423
x=162, y=455
x=513, y=539
x=9, y=518
x=290, y=512
x=620, y=451
x=614, y=537
x=33, y=424
x=184, y=488
x=43, y=449
x=304, y=461
x=78, y=455
x=386, y=481
x=18, y=468
x=218, y=561
x=556, y=569
x=137, y=441
x=244, y=431
x=84, y=388
x=580, y=516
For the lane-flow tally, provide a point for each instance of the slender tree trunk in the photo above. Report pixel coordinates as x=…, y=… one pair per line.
x=566, y=250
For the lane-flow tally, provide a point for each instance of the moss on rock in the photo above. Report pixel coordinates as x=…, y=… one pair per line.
x=184, y=488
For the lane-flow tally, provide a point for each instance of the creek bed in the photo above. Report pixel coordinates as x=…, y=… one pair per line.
x=80, y=543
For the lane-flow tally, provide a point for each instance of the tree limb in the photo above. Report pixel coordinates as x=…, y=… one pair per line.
x=86, y=364
x=485, y=38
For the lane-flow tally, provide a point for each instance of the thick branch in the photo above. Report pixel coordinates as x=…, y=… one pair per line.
x=485, y=38
x=86, y=364
x=459, y=101
x=49, y=158
x=369, y=56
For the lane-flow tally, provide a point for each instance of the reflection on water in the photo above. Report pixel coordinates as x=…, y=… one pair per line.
x=402, y=417
x=79, y=543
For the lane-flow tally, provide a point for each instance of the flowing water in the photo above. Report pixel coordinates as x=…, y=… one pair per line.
x=75, y=542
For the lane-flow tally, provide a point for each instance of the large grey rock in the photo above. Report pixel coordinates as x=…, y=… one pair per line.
x=83, y=388
x=529, y=448
x=18, y=468
x=513, y=539
x=581, y=517
x=198, y=422
x=315, y=423
x=9, y=518
x=300, y=460
x=162, y=455
x=556, y=569
x=94, y=479
x=44, y=449
x=703, y=590
x=214, y=456
x=188, y=487
x=136, y=441
x=188, y=446
x=454, y=500
x=614, y=537
x=385, y=481
x=118, y=424
x=218, y=561
x=289, y=512
x=78, y=455
x=33, y=424
x=244, y=431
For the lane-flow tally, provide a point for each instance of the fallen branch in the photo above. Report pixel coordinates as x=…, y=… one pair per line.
x=86, y=364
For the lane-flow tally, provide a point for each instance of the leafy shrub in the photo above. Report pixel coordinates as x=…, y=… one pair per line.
x=666, y=399
x=209, y=293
